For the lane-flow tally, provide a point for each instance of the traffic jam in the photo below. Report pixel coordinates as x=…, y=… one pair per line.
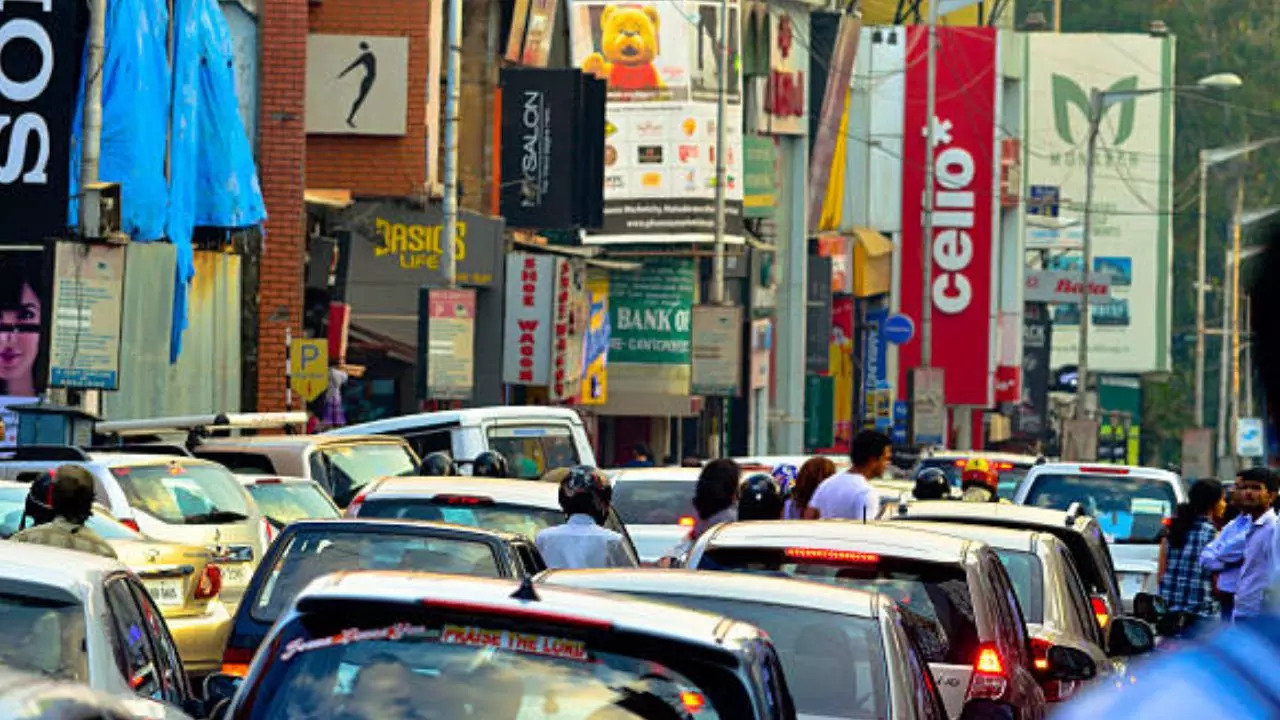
x=476, y=564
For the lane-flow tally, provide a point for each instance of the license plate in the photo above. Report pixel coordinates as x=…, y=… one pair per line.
x=233, y=574
x=167, y=592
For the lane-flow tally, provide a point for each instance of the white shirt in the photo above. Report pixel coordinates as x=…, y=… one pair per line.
x=846, y=495
x=581, y=543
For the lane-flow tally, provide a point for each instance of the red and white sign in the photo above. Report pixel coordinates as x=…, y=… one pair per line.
x=569, y=312
x=1008, y=384
x=527, y=348
x=965, y=179
x=1061, y=286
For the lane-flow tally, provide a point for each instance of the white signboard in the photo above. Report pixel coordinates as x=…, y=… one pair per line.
x=1251, y=438
x=526, y=358
x=1057, y=286
x=357, y=84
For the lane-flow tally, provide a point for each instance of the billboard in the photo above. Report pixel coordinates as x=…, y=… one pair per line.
x=357, y=84
x=963, y=247
x=24, y=322
x=1129, y=332
x=660, y=62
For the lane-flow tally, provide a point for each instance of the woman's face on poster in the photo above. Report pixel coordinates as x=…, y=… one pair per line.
x=20, y=337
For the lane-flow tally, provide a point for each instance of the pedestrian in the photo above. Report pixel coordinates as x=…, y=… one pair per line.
x=1225, y=554
x=582, y=541
x=1185, y=584
x=848, y=494
x=59, y=507
x=811, y=474
x=640, y=456
x=1255, y=488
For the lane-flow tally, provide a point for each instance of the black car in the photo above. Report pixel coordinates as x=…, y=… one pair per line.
x=310, y=549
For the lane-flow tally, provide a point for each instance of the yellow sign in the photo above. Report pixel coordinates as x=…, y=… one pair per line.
x=595, y=386
x=309, y=367
x=417, y=246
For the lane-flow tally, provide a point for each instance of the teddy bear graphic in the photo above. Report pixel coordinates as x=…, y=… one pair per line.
x=628, y=44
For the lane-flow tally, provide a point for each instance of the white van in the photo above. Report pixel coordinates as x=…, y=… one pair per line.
x=533, y=439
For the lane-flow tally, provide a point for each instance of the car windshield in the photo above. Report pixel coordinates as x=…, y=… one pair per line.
x=351, y=467
x=519, y=519
x=367, y=666
x=312, y=554
x=40, y=634
x=285, y=502
x=184, y=494
x=936, y=605
x=1128, y=508
x=653, y=502
x=533, y=450
x=834, y=663
x=1027, y=575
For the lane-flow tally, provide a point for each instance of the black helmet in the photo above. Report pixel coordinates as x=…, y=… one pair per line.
x=759, y=498
x=39, y=505
x=932, y=484
x=489, y=463
x=585, y=490
x=439, y=464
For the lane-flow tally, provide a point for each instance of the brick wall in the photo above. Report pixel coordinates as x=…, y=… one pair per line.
x=281, y=159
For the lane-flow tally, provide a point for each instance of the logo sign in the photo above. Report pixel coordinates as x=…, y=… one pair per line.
x=309, y=367
x=450, y=343
x=39, y=78
x=963, y=221
x=1057, y=286
x=527, y=356
x=1067, y=94
x=1251, y=438
x=898, y=329
x=357, y=84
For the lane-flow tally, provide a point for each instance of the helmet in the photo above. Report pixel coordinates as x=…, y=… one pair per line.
x=39, y=506
x=586, y=491
x=931, y=484
x=759, y=498
x=439, y=464
x=490, y=463
x=785, y=474
x=978, y=472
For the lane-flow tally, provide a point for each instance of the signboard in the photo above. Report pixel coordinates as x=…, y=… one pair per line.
x=786, y=98
x=760, y=173
x=1057, y=286
x=1031, y=418
x=650, y=311
x=963, y=246
x=357, y=84
x=1008, y=384
x=451, y=336
x=526, y=358
x=761, y=352
x=660, y=60
x=309, y=367
x=717, y=350
x=1251, y=438
x=841, y=366
x=88, y=294
x=568, y=310
x=818, y=316
x=899, y=329
x=595, y=342
x=875, y=356
x=39, y=79
x=928, y=407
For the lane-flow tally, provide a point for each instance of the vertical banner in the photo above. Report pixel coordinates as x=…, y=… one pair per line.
x=963, y=242
x=88, y=299
x=841, y=366
x=568, y=312
x=834, y=108
x=540, y=169
x=1032, y=416
x=526, y=358
x=451, y=338
x=595, y=342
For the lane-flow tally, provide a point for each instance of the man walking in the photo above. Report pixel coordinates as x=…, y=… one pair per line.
x=849, y=495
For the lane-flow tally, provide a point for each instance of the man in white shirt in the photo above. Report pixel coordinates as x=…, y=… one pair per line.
x=582, y=542
x=848, y=495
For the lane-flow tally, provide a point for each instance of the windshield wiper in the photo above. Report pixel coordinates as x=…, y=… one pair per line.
x=216, y=517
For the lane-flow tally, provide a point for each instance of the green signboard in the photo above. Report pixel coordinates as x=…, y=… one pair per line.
x=760, y=160
x=651, y=313
x=819, y=392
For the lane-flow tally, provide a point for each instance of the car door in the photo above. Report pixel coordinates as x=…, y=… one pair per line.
x=130, y=633
x=168, y=663
x=1013, y=641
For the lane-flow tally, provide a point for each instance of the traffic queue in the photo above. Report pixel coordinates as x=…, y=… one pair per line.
x=240, y=573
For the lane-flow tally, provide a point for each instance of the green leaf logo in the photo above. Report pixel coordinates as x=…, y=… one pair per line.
x=1066, y=93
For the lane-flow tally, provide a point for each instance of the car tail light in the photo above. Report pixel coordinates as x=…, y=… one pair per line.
x=1040, y=653
x=1003, y=466
x=1054, y=690
x=463, y=500
x=686, y=521
x=268, y=533
x=693, y=702
x=989, y=681
x=210, y=583
x=1100, y=610
x=131, y=524
x=1105, y=470
x=844, y=556
x=235, y=661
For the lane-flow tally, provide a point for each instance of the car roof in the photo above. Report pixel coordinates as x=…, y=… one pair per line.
x=73, y=571
x=468, y=416
x=997, y=537
x=112, y=459
x=655, y=474
x=420, y=527
x=517, y=492
x=1104, y=469
x=988, y=513
x=291, y=442
x=722, y=585
x=455, y=591
x=879, y=538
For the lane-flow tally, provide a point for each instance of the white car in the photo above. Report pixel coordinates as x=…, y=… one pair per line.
x=656, y=505
x=74, y=616
x=1131, y=505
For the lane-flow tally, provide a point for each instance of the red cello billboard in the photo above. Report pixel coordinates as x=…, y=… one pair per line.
x=963, y=246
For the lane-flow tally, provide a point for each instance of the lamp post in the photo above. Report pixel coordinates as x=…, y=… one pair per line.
x=1099, y=101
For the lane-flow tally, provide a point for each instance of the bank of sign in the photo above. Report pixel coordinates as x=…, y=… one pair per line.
x=963, y=247
x=651, y=313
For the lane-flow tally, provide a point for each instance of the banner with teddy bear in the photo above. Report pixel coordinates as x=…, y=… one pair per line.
x=660, y=62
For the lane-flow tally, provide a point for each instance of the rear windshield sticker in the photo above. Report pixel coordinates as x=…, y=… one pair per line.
x=515, y=642
x=352, y=635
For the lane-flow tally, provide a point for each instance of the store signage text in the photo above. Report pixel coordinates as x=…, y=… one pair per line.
x=527, y=340
x=952, y=245
x=417, y=246
x=27, y=34
x=563, y=321
x=531, y=143
x=785, y=96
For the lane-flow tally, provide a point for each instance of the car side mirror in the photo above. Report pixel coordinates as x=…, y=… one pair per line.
x=1150, y=608
x=219, y=688
x=980, y=709
x=1070, y=664
x=1129, y=636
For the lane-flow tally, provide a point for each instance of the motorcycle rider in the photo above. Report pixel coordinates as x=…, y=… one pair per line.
x=932, y=484
x=490, y=463
x=979, y=482
x=582, y=542
x=760, y=498
x=439, y=464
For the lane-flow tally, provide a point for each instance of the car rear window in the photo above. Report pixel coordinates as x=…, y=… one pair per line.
x=472, y=512
x=533, y=450
x=1027, y=575
x=183, y=494
x=310, y=555
x=935, y=597
x=351, y=467
x=1128, y=508
x=41, y=635
x=286, y=502
x=653, y=502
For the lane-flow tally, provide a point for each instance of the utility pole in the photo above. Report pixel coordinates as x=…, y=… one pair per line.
x=1226, y=455
x=91, y=133
x=722, y=104
x=1082, y=365
x=1236, y=233
x=1200, y=291
x=926, y=251
x=449, y=227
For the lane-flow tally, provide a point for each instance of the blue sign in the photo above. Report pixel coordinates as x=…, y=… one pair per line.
x=901, y=410
x=899, y=435
x=1044, y=201
x=898, y=329
x=875, y=357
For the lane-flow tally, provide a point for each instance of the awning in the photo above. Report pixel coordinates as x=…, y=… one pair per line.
x=589, y=255
x=872, y=263
x=337, y=199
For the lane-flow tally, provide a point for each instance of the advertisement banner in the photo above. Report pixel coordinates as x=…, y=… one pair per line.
x=568, y=309
x=357, y=84
x=1131, y=229
x=963, y=246
x=88, y=295
x=1058, y=286
x=841, y=367
x=760, y=175
x=531, y=32
x=786, y=100
x=595, y=343
x=717, y=350
x=25, y=311
x=39, y=80
x=660, y=62
x=526, y=358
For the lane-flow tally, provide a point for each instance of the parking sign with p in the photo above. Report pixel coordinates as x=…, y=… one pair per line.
x=309, y=367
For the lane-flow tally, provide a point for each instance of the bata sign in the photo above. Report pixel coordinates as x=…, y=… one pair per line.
x=962, y=247
x=1057, y=286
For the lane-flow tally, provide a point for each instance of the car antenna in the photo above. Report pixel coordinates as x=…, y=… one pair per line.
x=525, y=591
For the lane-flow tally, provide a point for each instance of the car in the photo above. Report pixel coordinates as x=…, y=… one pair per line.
x=309, y=549
x=846, y=653
x=286, y=499
x=74, y=616
x=960, y=604
x=166, y=497
x=415, y=646
x=514, y=506
x=766, y=463
x=1131, y=505
x=1081, y=535
x=656, y=505
x=29, y=696
x=533, y=439
x=1010, y=467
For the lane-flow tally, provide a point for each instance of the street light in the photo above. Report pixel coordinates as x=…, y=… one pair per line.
x=1099, y=101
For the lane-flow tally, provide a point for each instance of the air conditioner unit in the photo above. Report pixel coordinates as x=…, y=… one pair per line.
x=102, y=219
